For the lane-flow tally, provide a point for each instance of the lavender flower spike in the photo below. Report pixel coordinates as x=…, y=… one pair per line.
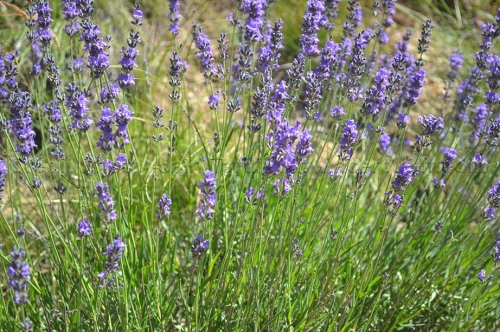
x=209, y=196
x=205, y=54
x=122, y=117
x=114, y=252
x=494, y=195
x=403, y=177
x=449, y=156
x=496, y=256
x=493, y=202
x=481, y=275
x=84, y=229
x=314, y=19
x=347, y=140
x=18, y=273
x=106, y=202
x=164, y=206
x=430, y=123
x=3, y=175
x=199, y=246
x=479, y=159
x=174, y=16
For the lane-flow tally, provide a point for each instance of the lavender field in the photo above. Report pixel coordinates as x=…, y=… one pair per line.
x=249, y=165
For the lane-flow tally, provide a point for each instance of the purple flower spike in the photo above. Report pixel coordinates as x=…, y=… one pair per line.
x=481, y=275
x=122, y=117
x=205, y=54
x=438, y=183
x=98, y=59
x=199, y=246
x=456, y=61
x=121, y=161
x=496, y=257
x=304, y=146
x=18, y=273
x=479, y=160
x=254, y=24
x=3, y=176
x=107, y=140
x=209, y=196
x=403, y=177
x=337, y=112
x=174, y=16
x=109, y=93
x=494, y=195
x=430, y=123
x=21, y=123
x=213, y=101
x=449, y=156
x=414, y=88
x=314, y=19
x=348, y=139
x=114, y=252
x=385, y=143
x=164, y=206
x=84, y=229
x=78, y=103
x=493, y=201
x=106, y=202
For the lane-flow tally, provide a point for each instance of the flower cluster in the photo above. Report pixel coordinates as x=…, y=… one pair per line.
x=114, y=253
x=314, y=19
x=78, y=104
x=96, y=46
x=42, y=37
x=174, y=16
x=493, y=201
x=19, y=275
x=496, y=256
x=3, y=175
x=121, y=118
x=431, y=125
x=404, y=176
x=204, y=53
x=254, y=24
x=109, y=167
x=21, y=123
x=209, y=196
x=449, y=156
x=126, y=78
x=163, y=206
x=268, y=54
x=199, y=246
x=253, y=197
x=177, y=67
x=106, y=202
x=348, y=139
x=479, y=159
x=74, y=9
x=284, y=152
x=53, y=111
x=8, y=74
x=109, y=93
x=84, y=229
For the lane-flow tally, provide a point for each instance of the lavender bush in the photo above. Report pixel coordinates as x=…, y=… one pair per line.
x=213, y=180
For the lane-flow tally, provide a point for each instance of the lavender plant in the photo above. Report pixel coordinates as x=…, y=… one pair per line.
x=208, y=177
